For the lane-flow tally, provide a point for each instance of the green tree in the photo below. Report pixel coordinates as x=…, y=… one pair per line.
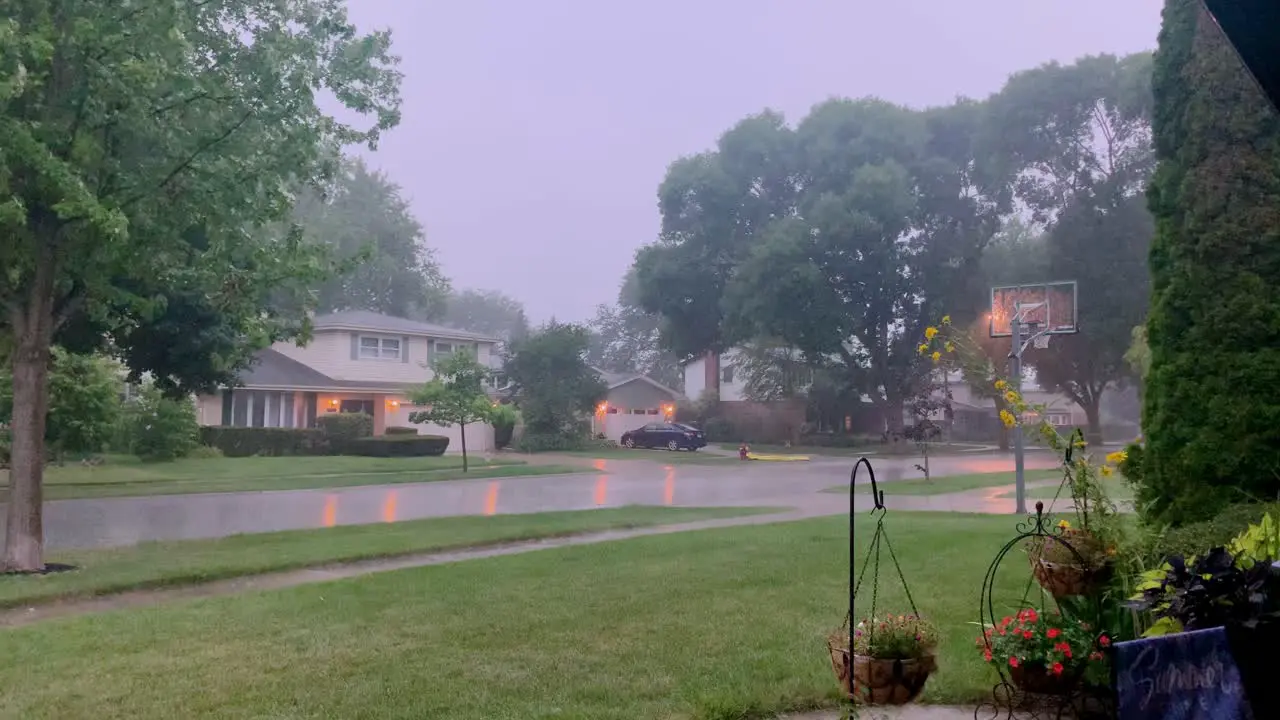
x=552, y=381
x=1077, y=138
x=1210, y=418
x=365, y=221
x=455, y=396
x=626, y=339
x=1138, y=356
x=162, y=428
x=84, y=402
x=489, y=312
x=712, y=206
x=149, y=146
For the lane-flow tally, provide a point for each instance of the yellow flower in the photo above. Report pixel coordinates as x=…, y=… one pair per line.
x=1079, y=443
x=946, y=319
x=1000, y=384
x=924, y=348
x=949, y=347
x=1064, y=524
x=1011, y=397
x=1106, y=470
x=937, y=356
x=930, y=332
x=1008, y=419
x=1117, y=457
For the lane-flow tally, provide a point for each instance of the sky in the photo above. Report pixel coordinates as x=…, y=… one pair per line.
x=535, y=132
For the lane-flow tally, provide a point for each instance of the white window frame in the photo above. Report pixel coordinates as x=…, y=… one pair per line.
x=388, y=348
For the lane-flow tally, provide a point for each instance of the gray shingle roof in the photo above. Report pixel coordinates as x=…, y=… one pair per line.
x=366, y=320
x=271, y=369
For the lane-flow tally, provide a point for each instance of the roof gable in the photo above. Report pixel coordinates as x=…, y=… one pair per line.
x=359, y=320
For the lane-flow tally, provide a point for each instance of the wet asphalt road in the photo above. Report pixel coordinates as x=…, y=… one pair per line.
x=611, y=483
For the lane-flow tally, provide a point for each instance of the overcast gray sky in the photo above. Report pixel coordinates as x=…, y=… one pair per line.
x=535, y=132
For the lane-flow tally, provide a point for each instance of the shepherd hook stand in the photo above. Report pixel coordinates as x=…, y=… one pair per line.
x=878, y=541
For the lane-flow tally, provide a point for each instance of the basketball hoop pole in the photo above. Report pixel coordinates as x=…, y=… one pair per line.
x=1015, y=373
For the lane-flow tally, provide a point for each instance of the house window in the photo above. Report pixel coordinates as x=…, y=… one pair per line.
x=726, y=375
x=444, y=348
x=379, y=348
x=1058, y=419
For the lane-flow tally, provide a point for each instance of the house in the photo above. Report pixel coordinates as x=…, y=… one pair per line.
x=633, y=401
x=975, y=419
x=356, y=361
x=759, y=421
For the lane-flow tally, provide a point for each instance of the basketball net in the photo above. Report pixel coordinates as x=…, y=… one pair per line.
x=1041, y=342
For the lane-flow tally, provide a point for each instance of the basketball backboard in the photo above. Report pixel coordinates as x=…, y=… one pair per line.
x=1045, y=306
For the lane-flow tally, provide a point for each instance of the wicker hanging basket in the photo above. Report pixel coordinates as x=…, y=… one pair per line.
x=878, y=681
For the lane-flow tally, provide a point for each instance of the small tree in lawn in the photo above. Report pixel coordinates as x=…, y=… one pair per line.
x=455, y=396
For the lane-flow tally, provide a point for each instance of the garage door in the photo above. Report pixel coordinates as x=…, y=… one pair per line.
x=617, y=423
x=479, y=435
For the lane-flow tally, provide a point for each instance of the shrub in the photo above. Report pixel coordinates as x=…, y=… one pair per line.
x=396, y=446
x=718, y=429
x=163, y=428
x=205, y=452
x=551, y=442
x=273, y=442
x=505, y=419
x=4, y=448
x=346, y=426
x=1199, y=537
x=402, y=431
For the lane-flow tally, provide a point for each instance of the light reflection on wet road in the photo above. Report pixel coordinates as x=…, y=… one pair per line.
x=124, y=521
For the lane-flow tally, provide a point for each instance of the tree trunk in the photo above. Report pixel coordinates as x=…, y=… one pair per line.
x=1093, y=434
x=462, y=430
x=24, y=531
x=1004, y=431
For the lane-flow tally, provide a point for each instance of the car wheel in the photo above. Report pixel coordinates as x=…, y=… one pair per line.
x=673, y=446
x=630, y=442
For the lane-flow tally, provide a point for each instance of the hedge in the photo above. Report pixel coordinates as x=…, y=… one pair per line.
x=402, y=431
x=346, y=426
x=396, y=446
x=274, y=442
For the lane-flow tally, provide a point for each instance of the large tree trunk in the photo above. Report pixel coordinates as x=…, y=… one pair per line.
x=1093, y=434
x=24, y=531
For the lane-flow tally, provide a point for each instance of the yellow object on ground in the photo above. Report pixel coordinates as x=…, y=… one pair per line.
x=776, y=458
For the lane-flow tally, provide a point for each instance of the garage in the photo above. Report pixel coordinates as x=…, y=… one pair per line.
x=633, y=401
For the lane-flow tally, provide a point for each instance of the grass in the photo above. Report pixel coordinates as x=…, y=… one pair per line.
x=952, y=484
x=121, y=476
x=706, y=625
x=166, y=564
x=903, y=449
x=662, y=456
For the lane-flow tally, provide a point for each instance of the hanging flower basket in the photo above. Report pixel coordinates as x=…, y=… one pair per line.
x=1068, y=565
x=892, y=659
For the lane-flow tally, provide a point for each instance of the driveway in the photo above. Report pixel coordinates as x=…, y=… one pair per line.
x=125, y=521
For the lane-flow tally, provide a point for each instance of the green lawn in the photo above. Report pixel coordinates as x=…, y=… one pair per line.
x=661, y=456
x=159, y=564
x=955, y=483
x=704, y=625
x=121, y=476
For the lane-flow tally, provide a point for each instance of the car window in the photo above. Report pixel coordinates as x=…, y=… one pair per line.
x=651, y=427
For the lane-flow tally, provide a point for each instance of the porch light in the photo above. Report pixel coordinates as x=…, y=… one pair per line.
x=602, y=408
x=394, y=404
x=334, y=402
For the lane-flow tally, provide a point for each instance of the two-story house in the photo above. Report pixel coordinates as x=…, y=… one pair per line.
x=356, y=361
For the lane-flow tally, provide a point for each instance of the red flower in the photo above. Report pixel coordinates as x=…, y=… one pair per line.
x=1104, y=641
x=1005, y=622
x=1052, y=633
x=986, y=655
x=1057, y=668
x=1013, y=661
x=1027, y=634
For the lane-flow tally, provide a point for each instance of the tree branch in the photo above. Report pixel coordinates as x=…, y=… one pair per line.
x=212, y=142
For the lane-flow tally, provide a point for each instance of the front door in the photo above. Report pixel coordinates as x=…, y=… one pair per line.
x=357, y=406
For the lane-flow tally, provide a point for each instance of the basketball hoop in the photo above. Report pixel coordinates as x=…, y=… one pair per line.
x=1041, y=341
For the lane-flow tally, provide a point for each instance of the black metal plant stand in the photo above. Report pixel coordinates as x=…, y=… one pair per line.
x=1008, y=701
x=908, y=683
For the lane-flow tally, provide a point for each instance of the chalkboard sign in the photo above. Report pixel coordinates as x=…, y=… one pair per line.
x=1184, y=676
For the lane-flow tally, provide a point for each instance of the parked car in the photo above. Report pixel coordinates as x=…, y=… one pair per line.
x=672, y=436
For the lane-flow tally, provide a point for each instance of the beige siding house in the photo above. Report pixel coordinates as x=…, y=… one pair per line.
x=356, y=361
